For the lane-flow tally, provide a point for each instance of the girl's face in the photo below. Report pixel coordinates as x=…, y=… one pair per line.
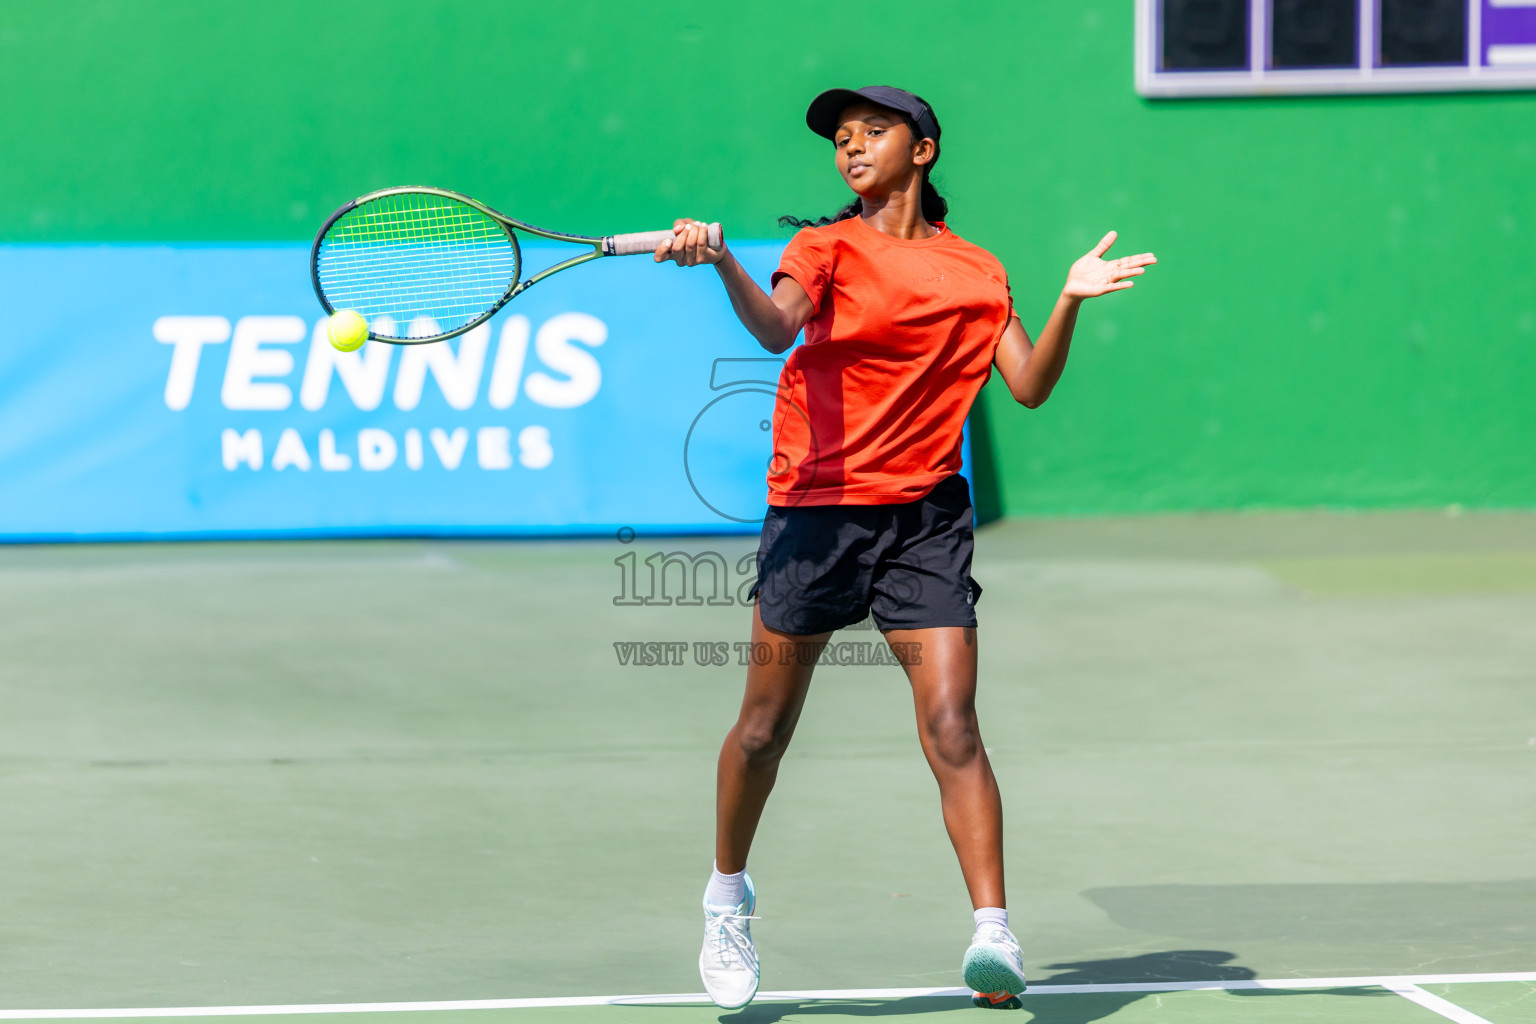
x=875, y=150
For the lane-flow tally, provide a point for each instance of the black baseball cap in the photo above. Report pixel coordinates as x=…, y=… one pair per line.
x=821, y=116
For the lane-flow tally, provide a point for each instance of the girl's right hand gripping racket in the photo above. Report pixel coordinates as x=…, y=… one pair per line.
x=425, y=264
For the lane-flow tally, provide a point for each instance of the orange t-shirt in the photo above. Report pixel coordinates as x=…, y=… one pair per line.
x=870, y=408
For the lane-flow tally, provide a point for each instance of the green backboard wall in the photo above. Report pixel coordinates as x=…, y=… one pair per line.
x=1344, y=313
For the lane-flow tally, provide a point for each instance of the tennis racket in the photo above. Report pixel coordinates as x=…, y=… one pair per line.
x=425, y=264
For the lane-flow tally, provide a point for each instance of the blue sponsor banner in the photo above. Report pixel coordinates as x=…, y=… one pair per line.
x=189, y=391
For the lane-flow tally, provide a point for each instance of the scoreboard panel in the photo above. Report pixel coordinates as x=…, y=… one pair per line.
x=1188, y=48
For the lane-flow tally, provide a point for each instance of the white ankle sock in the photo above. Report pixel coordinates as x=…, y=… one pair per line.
x=991, y=915
x=726, y=890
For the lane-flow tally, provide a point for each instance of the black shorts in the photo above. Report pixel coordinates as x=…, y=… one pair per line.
x=823, y=567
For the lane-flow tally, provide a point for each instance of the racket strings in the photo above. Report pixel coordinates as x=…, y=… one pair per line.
x=427, y=261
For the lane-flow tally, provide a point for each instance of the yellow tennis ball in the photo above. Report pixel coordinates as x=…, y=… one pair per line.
x=347, y=330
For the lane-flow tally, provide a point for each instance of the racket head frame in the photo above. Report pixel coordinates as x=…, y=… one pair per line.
x=510, y=226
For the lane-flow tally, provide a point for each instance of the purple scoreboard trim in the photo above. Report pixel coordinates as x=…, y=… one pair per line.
x=1507, y=26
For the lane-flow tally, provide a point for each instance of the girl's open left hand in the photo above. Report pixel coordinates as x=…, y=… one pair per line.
x=1093, y=275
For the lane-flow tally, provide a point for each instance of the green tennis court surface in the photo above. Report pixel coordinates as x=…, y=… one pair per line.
x=1232, y=748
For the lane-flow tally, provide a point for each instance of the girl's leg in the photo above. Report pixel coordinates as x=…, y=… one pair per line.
x=749, y=758
x=943, y=677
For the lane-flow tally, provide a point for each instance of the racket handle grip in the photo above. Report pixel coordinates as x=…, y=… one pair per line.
x=646, y=241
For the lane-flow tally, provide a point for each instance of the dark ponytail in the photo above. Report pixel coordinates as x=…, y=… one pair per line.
x=853, y=209
x=935, y=208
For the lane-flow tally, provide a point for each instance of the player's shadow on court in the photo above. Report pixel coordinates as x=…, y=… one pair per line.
x=1170, y=965
x=1054, y=1008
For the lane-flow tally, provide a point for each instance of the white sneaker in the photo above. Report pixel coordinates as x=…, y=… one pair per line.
x=994, y=965
x=728, y=962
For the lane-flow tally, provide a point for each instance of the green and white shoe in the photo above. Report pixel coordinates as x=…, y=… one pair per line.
x=994, y=967
x=728, y=961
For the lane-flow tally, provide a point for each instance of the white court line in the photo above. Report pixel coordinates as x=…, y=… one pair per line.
x=1430, y=1001
x=1396, y=983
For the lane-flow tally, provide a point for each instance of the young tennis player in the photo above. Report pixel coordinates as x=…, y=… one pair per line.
x=867, y=512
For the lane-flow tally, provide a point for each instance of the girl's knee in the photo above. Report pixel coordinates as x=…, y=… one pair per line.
x=953, y=737
x=763, y=739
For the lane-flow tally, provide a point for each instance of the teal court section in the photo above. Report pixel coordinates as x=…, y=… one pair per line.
x=379, y=771
x=1507, y=1002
